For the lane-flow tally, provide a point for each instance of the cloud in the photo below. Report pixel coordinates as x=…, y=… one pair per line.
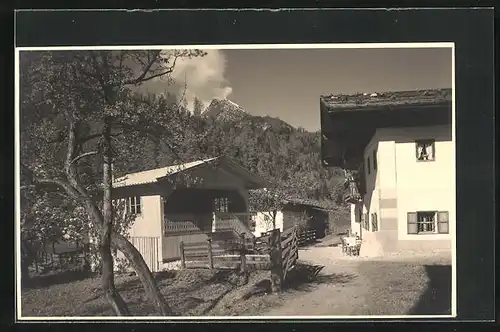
x=203, y=77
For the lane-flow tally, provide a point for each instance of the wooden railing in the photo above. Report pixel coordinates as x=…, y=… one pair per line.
x=231, y=221
x=177, y=227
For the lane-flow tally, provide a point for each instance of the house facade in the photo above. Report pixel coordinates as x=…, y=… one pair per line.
x=403, y=154
x=189, y=202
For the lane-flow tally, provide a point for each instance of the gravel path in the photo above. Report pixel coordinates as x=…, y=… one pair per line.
x=350, y=286
x=339, y=291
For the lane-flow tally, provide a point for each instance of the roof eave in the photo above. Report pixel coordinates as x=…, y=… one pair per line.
x=334, y=109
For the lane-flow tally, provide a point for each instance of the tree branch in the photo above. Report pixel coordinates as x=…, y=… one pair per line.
x=54, y=182
x=155, y=76
x=83, y=155
x=96, y=135
x=141, y=77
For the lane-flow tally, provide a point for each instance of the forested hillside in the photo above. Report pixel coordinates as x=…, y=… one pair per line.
x=286, y=156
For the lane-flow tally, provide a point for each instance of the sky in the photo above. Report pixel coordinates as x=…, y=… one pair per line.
x=287, y=83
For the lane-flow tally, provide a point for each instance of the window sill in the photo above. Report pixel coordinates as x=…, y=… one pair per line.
x=424, y=236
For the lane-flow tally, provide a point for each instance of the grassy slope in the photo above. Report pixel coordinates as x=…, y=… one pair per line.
x=189, y=292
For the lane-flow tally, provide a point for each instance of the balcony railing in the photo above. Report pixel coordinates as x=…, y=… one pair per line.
x=185, y=226
x=237, y=222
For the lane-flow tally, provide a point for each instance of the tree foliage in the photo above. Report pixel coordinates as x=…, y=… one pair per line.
x=81, y=113
x=74, y=105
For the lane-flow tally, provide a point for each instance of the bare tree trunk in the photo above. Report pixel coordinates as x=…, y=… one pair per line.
x=75, y=190
x=108, y=282
x=142, y=270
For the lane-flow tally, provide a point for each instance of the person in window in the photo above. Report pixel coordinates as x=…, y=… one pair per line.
x=422, y=152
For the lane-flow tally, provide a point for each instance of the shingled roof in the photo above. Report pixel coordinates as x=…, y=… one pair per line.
x=359, y=101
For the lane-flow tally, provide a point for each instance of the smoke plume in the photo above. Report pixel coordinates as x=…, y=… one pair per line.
x=203, y=77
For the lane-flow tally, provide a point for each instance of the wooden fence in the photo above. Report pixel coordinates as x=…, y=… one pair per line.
x=44, y=261
x=212, y=255
x=148, y=247
x=274, y=251
x=306, y=236
x=284, y=252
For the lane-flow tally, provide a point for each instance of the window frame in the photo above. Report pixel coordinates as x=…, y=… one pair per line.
x=432, y=144
x=134, y=207
x=368, y=165
x=440, y=219
x=375, y=159
x=221, y=201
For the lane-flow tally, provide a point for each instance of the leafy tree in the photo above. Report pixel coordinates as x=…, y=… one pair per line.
x=74, y=105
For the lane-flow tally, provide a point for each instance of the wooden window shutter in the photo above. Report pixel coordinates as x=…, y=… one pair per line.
x=412, y=223
x=374, y=223
x=443, y=222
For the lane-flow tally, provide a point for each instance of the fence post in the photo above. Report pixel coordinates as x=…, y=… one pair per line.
x=243, y=252
x=276, y=260
x=183, y=257
x=210, y=258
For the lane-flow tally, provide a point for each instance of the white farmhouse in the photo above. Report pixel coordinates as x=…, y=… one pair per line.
x=400, y=150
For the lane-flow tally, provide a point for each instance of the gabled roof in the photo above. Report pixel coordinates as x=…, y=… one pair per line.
x=155, y=175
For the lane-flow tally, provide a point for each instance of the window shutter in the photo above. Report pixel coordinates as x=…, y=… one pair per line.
x=412, y=223
x=443, y=222
x=374, y=223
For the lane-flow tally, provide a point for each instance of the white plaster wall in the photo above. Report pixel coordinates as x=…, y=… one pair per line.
x=149, y=222
x=263, y=223
x=420, y=186
x=355, y=220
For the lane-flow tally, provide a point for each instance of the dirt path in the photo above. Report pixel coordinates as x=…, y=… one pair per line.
x=338, y=291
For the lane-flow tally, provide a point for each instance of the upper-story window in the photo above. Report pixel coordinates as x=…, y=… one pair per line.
x=221, y=204
x=368, y=165
x=134, y=205
x=425, y=150
x=375, y=160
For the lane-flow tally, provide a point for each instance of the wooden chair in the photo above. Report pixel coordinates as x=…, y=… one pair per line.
x=344, y=244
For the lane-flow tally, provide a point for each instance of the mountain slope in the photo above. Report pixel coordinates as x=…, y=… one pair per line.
x=224, y=110
x=269, y=147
